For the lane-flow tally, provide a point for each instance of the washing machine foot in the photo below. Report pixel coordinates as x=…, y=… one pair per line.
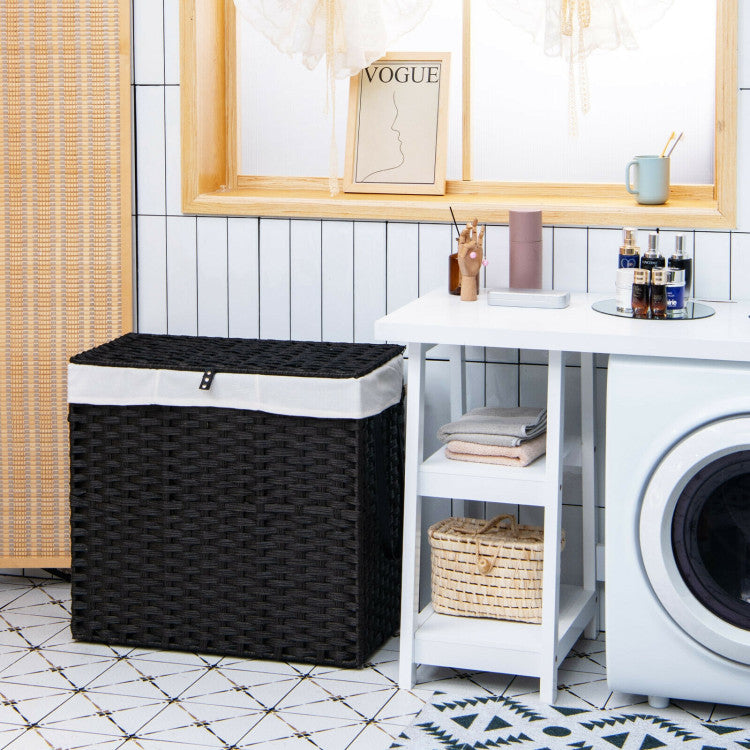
x=656, y=701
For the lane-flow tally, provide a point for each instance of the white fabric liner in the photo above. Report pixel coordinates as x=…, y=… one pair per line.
x=332, y=398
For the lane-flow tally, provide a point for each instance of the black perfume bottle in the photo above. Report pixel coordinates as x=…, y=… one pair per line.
x=679, y=261
x=651, y=258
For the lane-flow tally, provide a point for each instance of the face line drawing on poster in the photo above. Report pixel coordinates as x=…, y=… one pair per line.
x=396, y=147
x=400, y=146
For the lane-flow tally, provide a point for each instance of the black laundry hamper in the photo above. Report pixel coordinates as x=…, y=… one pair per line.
x=227, y=530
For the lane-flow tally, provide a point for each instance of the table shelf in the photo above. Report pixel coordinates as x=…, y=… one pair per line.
x=440, y=476
x=567, y=612
x=499, y=645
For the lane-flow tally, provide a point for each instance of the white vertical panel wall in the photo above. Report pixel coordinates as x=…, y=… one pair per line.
x=304, y=280
x=151, y=267
x=242, y=277
x=274, y=277
x=212, y=271
x=337, y=287
x=369, y=277
x=182, y=276
x=329, y=280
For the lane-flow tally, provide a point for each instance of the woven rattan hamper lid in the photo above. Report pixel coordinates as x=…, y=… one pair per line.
x=301, y=378
x=259, y=356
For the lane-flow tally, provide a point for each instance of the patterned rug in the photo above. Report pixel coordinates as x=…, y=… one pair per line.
x=494, y=721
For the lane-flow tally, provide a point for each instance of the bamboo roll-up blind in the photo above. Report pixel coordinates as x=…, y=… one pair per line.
x=65, y=246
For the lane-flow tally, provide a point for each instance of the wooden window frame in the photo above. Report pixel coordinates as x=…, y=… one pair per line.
x=211, y=183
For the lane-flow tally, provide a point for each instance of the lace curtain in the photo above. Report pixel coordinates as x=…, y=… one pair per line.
x=573, y=29
x=351, y=34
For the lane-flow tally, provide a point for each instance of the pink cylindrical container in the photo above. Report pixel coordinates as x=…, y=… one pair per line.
x=525, y=249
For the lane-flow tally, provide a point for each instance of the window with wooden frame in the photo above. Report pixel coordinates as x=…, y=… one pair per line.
x=214, y=183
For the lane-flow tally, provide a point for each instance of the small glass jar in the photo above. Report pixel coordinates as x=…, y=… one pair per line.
x=624, y=290
x=640, y=296
x=454, y=274
x=676, y=293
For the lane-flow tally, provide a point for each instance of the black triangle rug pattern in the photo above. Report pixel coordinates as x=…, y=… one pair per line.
x=496, y=722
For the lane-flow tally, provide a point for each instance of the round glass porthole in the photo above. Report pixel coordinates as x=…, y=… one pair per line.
x=711, y=537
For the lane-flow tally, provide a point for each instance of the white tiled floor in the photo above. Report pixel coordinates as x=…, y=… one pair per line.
x=58, y=693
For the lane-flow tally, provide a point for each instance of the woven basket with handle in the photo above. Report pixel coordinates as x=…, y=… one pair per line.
x=487, y=568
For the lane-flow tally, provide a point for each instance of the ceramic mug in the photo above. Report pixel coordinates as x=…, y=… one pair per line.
x=651, y=184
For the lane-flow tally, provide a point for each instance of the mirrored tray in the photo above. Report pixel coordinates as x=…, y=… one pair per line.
x=693, y=310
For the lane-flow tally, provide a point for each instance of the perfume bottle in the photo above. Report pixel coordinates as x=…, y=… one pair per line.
x=629, y=252
x=651, y=258
x=659, y=293
x=681, y=262
x=640, y=297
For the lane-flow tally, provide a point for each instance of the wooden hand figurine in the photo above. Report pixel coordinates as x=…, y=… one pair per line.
x=470, y=260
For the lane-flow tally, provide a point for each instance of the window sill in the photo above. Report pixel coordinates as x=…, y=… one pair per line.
x=689, y=207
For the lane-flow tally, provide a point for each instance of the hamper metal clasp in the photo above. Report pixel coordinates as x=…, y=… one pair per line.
x=206, y=380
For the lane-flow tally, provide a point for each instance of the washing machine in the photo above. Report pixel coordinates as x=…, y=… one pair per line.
x=677, y=529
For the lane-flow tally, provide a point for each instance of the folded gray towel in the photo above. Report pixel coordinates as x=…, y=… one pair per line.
x=491, y=425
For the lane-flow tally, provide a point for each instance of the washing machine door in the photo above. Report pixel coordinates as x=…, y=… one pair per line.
x=695, y=535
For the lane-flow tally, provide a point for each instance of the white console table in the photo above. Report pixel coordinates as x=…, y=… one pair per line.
x=439, y=318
